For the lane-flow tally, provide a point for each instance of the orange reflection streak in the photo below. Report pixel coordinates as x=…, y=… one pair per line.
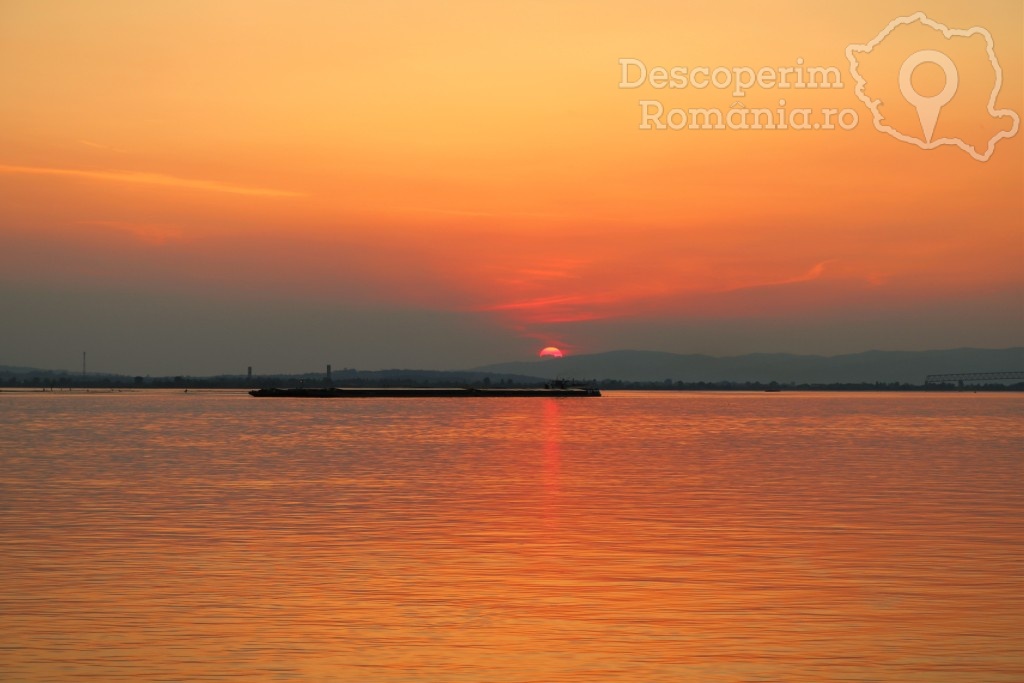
x=552, y=459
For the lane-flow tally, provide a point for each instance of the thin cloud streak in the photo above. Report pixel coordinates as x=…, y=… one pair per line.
x=814, y=273
x=151, y=179
x=153, y=234
x=96, y=145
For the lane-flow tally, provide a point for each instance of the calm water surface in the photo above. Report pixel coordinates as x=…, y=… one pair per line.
x=641, y=537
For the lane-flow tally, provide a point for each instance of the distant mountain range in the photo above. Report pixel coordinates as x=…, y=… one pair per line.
x=909, y=367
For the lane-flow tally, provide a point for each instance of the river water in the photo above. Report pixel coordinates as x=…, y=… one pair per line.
x=638, y=537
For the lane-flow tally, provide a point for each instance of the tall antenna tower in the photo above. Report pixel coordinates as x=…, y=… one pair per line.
x=83, y=364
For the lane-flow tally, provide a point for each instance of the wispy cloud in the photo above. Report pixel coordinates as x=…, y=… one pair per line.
x=482, y=214
x=153, y=234
x=814, y=273
x=151, y=179
x=96, y=145
x=545, y=302
x=567, y=308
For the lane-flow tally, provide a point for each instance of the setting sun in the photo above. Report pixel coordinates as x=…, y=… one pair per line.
x=551, y=352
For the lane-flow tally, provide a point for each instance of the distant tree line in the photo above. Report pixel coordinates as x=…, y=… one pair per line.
x=50, y=380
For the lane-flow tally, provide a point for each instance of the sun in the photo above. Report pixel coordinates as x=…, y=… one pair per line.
x=551, y=352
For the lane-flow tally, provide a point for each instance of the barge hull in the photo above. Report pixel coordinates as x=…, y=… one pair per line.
x=423, y=393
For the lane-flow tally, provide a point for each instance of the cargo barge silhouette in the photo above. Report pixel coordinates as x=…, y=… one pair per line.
x=554, y=390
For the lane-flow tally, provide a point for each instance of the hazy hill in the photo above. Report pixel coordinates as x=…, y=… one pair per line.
x=873, y=366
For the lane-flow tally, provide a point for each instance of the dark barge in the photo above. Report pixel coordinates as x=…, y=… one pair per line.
x=455, y=392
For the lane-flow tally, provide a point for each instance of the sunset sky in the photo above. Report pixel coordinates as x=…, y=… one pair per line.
x=192, y=187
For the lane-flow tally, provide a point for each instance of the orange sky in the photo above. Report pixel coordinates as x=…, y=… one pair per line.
x=479, y=161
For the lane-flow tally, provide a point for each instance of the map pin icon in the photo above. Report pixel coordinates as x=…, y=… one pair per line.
x=928, y=107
